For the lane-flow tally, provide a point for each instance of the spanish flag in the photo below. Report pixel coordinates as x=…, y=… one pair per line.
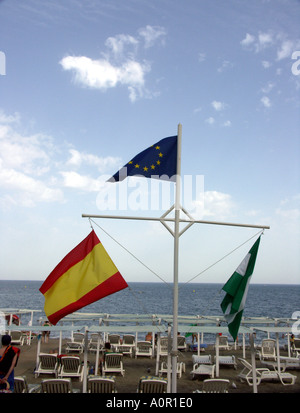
x=86, y=274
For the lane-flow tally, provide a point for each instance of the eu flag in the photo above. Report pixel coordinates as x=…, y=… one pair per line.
x=159, y=161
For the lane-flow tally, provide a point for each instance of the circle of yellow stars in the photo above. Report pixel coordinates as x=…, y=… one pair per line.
x=152, y=167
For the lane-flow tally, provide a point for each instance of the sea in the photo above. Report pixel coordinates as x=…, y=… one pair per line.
x=142, y=298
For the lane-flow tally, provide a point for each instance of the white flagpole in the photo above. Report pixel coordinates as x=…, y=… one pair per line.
x=176, y=234
x=165, y=219
x=176, y=253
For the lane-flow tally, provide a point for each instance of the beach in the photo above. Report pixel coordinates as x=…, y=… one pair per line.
x=25, y=294
x=141, y=366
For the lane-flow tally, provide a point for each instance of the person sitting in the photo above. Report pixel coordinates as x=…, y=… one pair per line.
x=9, y=356
x=292, y=341
x=108, y=349
x=46, y=334
x=148, y=337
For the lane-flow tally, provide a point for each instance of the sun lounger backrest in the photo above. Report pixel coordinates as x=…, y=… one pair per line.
x=56, y=386
x=48, y=361
x=215, y=386
x=114, y=338
x=101, y=385
x=70, y=364
x=20, y=385
x=113, y=359
x=246, y=363
x=152, y=386
x=78, y=338
x=128, y=339
x=201, y=359
x=297, y=344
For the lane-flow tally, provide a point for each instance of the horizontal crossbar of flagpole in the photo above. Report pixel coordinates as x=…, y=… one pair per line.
x=232, y=224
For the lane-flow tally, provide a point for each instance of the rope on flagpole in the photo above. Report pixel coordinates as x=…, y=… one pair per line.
x=130, y=289
x=153, y=272
x=90, y=221
x=225, y=256
x=122, y=246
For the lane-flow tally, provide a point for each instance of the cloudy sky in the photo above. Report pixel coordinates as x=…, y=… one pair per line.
x=86, y=85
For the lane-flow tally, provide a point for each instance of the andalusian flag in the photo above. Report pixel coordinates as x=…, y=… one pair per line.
x=85, y=275
x=236, y=288
x=159, y=161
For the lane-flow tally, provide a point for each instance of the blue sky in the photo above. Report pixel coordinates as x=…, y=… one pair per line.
x=86, y=85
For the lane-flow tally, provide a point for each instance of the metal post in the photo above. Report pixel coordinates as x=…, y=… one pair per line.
x=278, y=353
x=85, y=364
x=169, y=370
x=157, y=355
x=97, y=355
x=30, y=332
x=217, y=355
x=253, y=363
x=60, y=342
x=39, y=338
x=176, y=252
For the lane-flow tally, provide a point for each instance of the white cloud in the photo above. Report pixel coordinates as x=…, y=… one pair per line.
x=218, y=105
x=101, y=74
x=210, y=120
x=227, y=123
x=268, y=87
x=249, y=39
x=253, y=213
x=28, y=191
x=77, y=159
x=29, y=172
x=214, y=204
x=201, y=57
x=289, y=208
x=266, y=64
x=119, y=43
x=151, y=34
x=258, y=43
x=9, y=118
x=119, y=65
x=24, y=164
x=224, y=66
x=282, y=46
x=217, y=204
x=26, y=153
x=76, y=181
x=290, y=213
x=285, y=50
x=198, y=109
x=264, y=40
x=266, y=101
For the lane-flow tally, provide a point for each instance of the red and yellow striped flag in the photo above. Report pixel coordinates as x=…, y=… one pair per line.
x=86, y=274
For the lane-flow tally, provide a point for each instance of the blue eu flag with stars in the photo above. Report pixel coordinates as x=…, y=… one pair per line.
x=159, y=161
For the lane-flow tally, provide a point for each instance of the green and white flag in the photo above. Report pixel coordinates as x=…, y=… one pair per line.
x=236, y=288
